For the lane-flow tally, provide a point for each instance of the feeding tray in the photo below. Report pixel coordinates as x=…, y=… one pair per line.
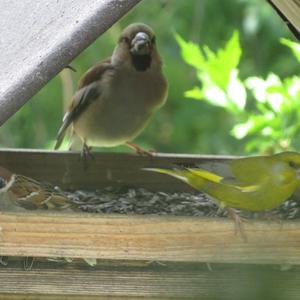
x=172, y=256
x=138, y=256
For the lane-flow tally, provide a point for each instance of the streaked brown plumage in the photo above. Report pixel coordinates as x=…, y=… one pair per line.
x=117, y=97
x=29, y=193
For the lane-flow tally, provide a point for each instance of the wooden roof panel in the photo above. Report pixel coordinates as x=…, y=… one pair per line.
x=39, y=38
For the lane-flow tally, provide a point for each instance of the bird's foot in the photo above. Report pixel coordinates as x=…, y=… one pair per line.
x=28, y=263
x=3, y=260
x=139, y=150
x=85, y=155
x=272, y=217
x=238, y=223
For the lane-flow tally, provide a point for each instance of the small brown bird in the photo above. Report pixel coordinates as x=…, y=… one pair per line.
x=117, y=97
x=29, y=193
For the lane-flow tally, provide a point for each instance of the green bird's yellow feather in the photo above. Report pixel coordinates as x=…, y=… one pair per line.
x=257, y=183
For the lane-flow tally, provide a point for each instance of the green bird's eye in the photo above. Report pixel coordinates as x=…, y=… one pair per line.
x=292, y=164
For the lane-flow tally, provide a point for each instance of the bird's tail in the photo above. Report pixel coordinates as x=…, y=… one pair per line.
x=60, y=135
x=185, y=174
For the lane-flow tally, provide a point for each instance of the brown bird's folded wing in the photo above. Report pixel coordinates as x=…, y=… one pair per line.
x=95, y=73
x=32, y=194
x=16, y=189
x=88, y=92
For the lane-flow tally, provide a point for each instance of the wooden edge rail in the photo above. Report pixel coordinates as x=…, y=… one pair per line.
x=149, y=238
x=66, y=170
x=151, y=281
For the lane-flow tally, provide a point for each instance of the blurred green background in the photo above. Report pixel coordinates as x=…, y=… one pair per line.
x=182, y=125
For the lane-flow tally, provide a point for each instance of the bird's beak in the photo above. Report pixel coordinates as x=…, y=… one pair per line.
x=140, y=44
x=2, y=183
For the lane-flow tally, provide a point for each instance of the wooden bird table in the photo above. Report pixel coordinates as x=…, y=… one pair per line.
x=154, y=257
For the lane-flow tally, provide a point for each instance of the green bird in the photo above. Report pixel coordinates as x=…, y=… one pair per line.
x=255, y=184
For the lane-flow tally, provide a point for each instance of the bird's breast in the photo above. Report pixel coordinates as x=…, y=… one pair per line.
x=146, y=89
x=126, y=103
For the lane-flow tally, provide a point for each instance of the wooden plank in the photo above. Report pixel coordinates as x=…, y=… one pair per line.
x=71, y=297
x=9, y=296
x=107, y=169
x=171, y=281
x=147, y=238
x=39, y=38
x=290, y=11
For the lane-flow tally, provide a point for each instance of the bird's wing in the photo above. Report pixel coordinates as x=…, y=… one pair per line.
x=202, y=179
x=95, y=73
x=215, y=170
x=248, y=171
x=220, y=168
x=32, y=194
x=252, y=170
x=216, y=179
x=88, y=91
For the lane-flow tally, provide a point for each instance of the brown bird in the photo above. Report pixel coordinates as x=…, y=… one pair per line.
x=117, y=97
x=29, y=193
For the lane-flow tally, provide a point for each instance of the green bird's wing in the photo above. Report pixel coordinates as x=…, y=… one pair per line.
x=242, y=171
x=252, y=170
x=213, y=178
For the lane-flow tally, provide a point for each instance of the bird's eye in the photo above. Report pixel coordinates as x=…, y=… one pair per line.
x=153, y=40
x=125, y=40
x=292, y=164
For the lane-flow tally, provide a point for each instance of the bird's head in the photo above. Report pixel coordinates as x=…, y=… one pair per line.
x=291, y=161
x=137, y=45
x=5, y=179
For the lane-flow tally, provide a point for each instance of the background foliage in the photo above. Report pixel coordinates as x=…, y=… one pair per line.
x=255, y=55
x=267, y=117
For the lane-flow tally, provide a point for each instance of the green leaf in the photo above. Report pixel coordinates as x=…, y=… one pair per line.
x=236, y=91
x=259, y=144
x=217, y=72
x=294, y=46
x=292, y=86
x=213, y=94
x=195, y=93
x=266, y=91
x=210, y=55
x=257, y=86
x=232, y=51
x=220, y=64
x=255, y=124
x=190, y=52
x=241, y=130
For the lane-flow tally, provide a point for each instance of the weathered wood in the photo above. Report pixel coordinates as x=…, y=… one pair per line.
x=148, y=238
x=289, y=10
x=9, y=296
x=65, y=169
x=39, y=38
x=171, y=281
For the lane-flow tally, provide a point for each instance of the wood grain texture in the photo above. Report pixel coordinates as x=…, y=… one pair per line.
x=138, y=256
x=147, y=238
x=291, y=9
x=10, y=296
x=50, y=35
x=107, y=169
x=171, y=281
